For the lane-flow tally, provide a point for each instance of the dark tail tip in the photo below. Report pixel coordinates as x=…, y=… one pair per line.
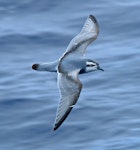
x=35, y=66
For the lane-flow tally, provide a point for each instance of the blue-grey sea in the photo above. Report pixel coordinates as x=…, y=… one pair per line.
x=107, y=114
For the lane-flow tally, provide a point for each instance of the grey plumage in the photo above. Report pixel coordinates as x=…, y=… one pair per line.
x=70, y=64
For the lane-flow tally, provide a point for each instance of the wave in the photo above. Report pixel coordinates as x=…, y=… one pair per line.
x=39, y=38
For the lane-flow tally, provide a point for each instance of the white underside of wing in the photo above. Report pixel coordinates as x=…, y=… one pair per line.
x=87, y=35
x=69, y=67
x=70, y=88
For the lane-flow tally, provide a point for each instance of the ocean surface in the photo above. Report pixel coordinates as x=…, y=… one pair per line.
x=107, y=114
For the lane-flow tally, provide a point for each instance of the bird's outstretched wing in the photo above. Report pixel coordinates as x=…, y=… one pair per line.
x=88, y=34
x=77, y=47
x=69, y=66
x=70, y=87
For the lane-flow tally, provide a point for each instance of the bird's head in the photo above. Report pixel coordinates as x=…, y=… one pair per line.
x=92, y=66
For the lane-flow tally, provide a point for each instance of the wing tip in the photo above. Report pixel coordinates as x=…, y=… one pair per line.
x=58, y=124
x=55, y=128
x=93, y=18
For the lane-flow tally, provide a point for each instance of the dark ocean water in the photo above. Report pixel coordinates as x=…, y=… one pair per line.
x=107, y=115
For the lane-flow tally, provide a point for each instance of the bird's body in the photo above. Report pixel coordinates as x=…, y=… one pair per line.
x=86, y=65
x=70, y=64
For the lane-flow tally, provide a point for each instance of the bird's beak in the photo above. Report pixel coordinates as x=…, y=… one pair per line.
x=99, y=68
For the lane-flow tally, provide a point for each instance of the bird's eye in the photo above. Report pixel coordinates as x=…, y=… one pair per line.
x=91, y=65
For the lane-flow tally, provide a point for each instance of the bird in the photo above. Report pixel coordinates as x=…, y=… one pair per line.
x=72, y=63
